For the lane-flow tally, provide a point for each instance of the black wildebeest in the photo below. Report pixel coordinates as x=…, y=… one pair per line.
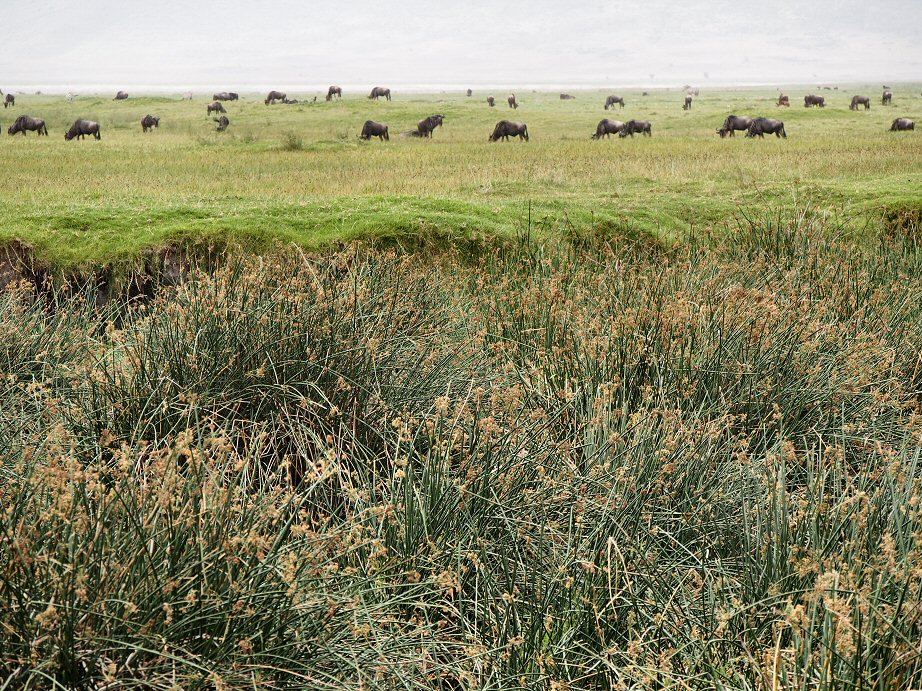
x=633, y=127
x=607, y=127
x=275, y=96
x=80, y=128
x=733, y=124
x=149, y=122
x=902, y=125
x=512, y=102
x=380, y=92
x=10, y=100
x=24, y=122
x=425, y=127
x=784, y=101
x=612, y=100
x=688, y=102
x=887, y=97
x=566, y=97
x=860, y=101
x=505, y=129
x=334, y=91
x=762, y=126
x=120, y=96
x=813, y=101
x=223, y=123
x=491, y=101
x=215, y=107
x=225, y=96
x=375, y=129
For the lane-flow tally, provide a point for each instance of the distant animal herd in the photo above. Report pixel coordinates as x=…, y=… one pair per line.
x=752, y=126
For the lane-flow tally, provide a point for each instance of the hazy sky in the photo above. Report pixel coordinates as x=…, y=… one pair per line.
x=237, y=43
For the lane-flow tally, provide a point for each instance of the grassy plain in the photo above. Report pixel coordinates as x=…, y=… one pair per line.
x=299, y=173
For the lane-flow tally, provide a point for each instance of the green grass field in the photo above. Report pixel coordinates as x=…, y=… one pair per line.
x=299, y=173
x=667, y=435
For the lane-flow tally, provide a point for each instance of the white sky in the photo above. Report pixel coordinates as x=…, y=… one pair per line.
x=234, y=44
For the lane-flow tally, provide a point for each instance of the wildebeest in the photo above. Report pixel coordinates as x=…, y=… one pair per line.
x=275, y=96
x=375, y=129
x=225, y=96
x=10, y=100
x=512, y=102
x=566, y=97
x=120, y=96
x=505, y=129
x=813, y=101
x=491, y=101
x=149, y=122
x=80, y=128
x=25, y=122
x=887, y=97
x=733, y=124
x=633, y=127
x=223, y=123
x=334, y=91
x=688, y=102
x=215, y=107
x=380, y=92
x=425, y=127
x=762, y=126
x=612, y=100
x=470, y=92
x=784, y=101
x=607, y=127
x=860, y=101
x=902, y=125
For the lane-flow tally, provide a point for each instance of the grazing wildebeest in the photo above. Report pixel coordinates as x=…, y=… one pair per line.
x=887, y=98
x=215, y=107
x=81, y=128
x=24, y=122
x=491, y=101
x=380, y=92
x=275, y=96
x=688, y=102
x=375, y=129
x=607, y=127
x=505, y=129
x=733, y=124
x=223, y=123
x=633, y=127
x=512, y=102
x=149, y=122
x=566, y=97
x=813, y=101
x=425, y=127
x=902, y=125
x=334, y=91
x=784, y=101
x=10, y=100
x=120, y=96
x=225, y=96
x=470, y=92
x=612, y=100
x=762, y=126
x=860, y=101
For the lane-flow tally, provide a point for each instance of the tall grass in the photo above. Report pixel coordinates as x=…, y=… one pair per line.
x=586, y=466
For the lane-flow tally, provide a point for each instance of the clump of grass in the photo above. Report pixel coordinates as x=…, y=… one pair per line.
x=292, y=141
x=577, y=467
